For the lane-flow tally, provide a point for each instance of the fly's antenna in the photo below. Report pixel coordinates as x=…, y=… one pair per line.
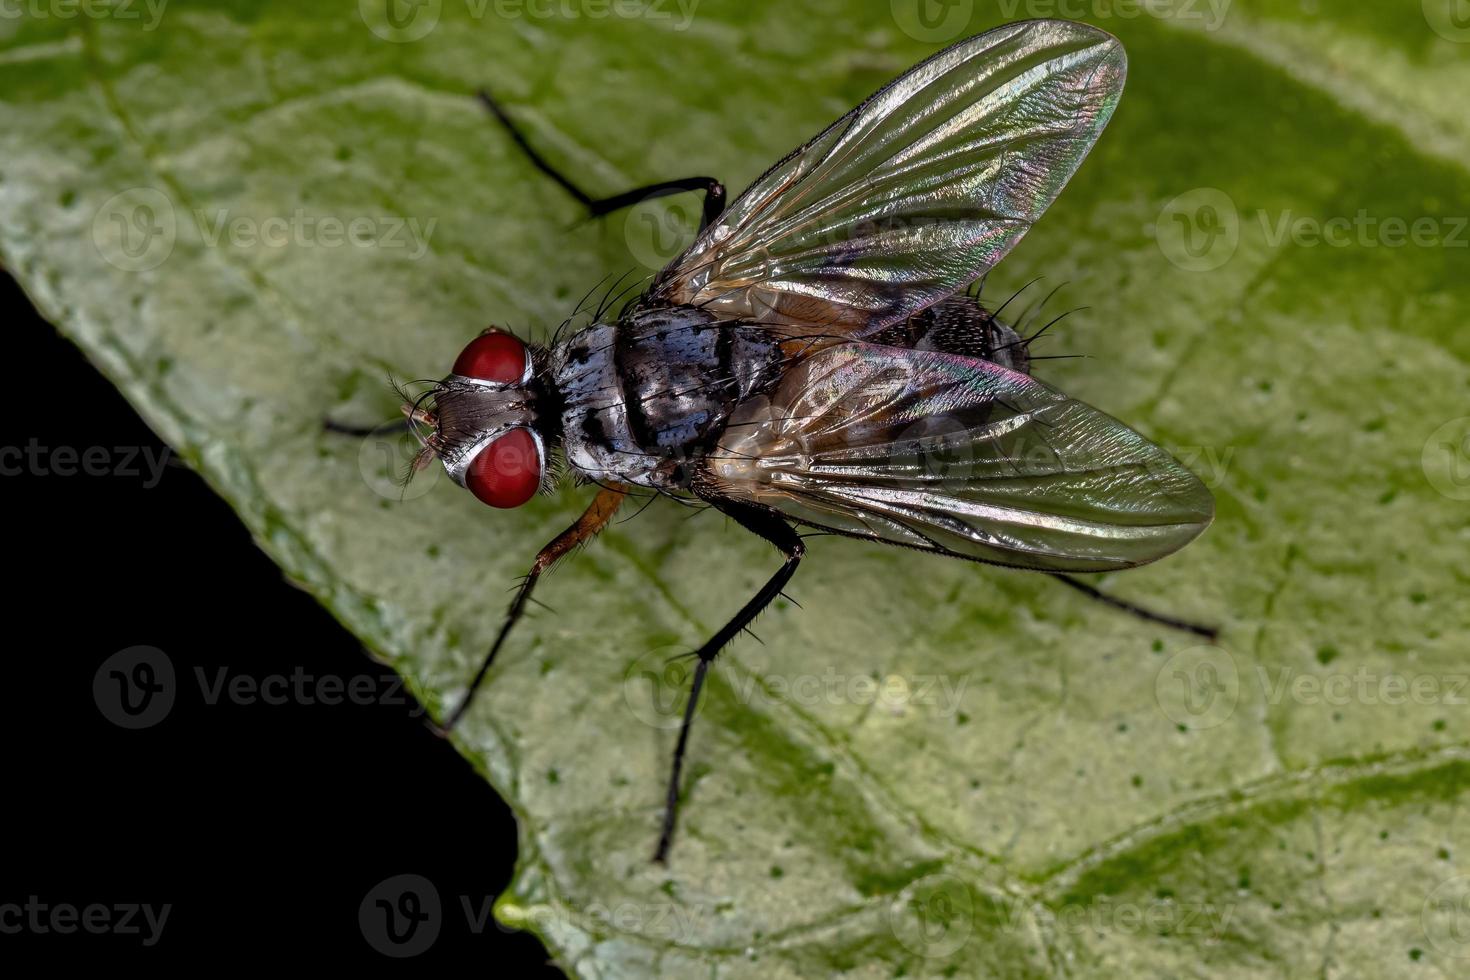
x=417, y=420
x=400, y=388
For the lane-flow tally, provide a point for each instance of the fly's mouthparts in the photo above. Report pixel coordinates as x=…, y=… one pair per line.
x=419, y=416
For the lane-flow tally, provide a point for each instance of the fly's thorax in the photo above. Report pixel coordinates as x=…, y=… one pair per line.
x=593, y=418
x=646, y=398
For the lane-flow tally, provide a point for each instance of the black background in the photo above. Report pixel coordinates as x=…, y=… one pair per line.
x=263, y=826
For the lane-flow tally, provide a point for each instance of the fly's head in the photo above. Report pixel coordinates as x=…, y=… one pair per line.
x=481, y=422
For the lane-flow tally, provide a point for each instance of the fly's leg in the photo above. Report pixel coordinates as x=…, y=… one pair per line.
x=714, y=191
x=596, y=517
x=1210, y=633
x=775, y=530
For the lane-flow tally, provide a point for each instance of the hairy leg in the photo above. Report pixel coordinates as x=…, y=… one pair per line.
x=714, y=191
x=775, y=530
x=593, y=520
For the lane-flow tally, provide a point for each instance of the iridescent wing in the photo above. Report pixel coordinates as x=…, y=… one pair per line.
x=915, y=193
x=959, y=456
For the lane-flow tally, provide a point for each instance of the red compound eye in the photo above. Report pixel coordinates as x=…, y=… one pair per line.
x=506, y=473
x=494, y=356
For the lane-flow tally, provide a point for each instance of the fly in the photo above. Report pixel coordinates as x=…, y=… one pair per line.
x=814, y=360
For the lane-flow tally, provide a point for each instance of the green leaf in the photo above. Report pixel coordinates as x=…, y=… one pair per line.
x=932, y=767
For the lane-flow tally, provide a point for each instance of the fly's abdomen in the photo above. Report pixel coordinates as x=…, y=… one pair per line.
x=649, y=395
x=960, y=325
